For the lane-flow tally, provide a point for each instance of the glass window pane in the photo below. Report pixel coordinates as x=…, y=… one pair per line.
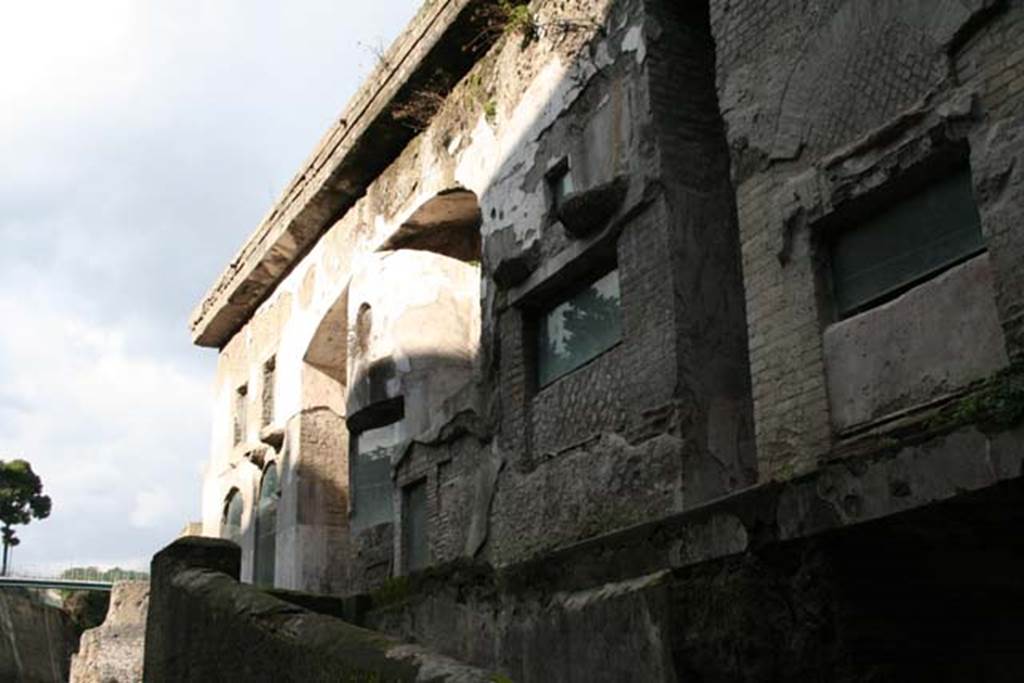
x=416, y=547
x=231, y=525
x=562, y=187
x=372, y=487
x=579, y=329
x=266, y=528
x=911, y=240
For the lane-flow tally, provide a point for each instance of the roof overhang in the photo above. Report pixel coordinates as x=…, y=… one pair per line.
x=437, y=49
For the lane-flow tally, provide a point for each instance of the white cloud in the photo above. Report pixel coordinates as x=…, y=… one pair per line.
x=152, y=506
x=141, y=142
x=115, y=436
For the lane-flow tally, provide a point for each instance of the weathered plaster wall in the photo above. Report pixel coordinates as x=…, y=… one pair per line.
x=939, y=336
x=497, y=134
x=711, y=156
x=710, y=488
x=423, y=328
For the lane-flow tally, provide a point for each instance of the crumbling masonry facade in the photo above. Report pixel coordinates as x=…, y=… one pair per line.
x=645, y=340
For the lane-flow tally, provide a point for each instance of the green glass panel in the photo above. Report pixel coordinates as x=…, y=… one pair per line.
x=414, y=529
x=231, y=526
x=266, y=528
x=579, y=329
x=561, y=187
x=372, y=487
x=906, y=243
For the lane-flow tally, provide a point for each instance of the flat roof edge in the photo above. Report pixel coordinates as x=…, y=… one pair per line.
x=328, y=184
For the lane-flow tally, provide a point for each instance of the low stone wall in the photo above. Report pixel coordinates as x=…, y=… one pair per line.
x=36, y=640
x=113, y=652
x=203, y=625
x=901, y=565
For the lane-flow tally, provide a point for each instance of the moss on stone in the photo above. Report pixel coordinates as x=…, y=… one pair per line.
x=393, y=591
x=996, y=404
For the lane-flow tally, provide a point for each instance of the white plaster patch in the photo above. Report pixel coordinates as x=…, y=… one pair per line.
x=453, y=146
x=633, y=41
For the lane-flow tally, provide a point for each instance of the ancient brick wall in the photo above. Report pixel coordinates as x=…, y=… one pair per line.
x=832, y=106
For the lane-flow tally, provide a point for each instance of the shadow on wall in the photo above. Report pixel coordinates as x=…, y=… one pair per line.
x=656, y=420
x=398, y=344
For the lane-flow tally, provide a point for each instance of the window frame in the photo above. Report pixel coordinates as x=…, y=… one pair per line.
x=407, y=541
x=240, y=410
x=233, y=495
x=883, y=209
x=555, y=297
x=554, y=177
x=260, y=535
x=375, y=416
x=268, y=391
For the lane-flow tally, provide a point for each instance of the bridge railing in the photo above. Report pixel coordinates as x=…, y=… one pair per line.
x=58, y=584
x=89, y=576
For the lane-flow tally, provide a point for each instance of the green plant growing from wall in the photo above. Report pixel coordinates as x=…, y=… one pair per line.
x=518, y=19
x=21, y=501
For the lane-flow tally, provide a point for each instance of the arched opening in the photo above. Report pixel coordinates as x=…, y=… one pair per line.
x=266, y=527
x=448, y=224
x=324, y=375
x=231, y=518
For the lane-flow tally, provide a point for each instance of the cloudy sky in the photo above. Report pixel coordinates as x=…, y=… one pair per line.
x=140, y=142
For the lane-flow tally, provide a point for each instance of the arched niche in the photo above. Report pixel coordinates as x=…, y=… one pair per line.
x=324, y=375
x=420, y=332
x=231, y=516
x=448, y=224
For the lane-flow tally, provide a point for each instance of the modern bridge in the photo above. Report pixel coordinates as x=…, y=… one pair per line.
x=59, y=584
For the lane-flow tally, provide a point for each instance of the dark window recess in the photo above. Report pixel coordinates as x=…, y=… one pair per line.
x=241, y=395
x=231, y=520
x=905, y=244
x=372, y=487
x=266, y=528
x=415, y=545
x=364, y=325
x=560, y=184
x=579, y=328
x=269, y=373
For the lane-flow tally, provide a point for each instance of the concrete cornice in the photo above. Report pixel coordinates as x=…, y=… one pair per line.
x=365, y=139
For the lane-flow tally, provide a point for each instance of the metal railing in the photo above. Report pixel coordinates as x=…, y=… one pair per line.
x=59, y=584
x=74, y=578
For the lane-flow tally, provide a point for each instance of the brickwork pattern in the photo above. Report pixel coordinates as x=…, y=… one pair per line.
x=450, y=473
x=586, y=402
x=885, y=73
x=857, y=83
x=700, y=215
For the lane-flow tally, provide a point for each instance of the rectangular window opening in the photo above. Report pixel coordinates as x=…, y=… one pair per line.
x=560, y=184
x=372, y=449
x=241, y=395
x=415, y=543
x=578, y=328
x=910, y=241
x=269, y=372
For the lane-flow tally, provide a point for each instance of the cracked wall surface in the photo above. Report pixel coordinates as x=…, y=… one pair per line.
x=715, y=150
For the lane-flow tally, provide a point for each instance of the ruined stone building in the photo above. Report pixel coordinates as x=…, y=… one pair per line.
x=649, y=340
